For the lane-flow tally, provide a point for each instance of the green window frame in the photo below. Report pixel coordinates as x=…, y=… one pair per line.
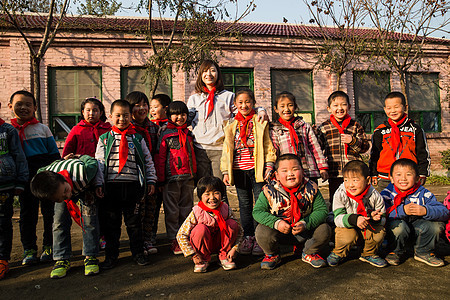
x=135, y=79
x=423, y=94
x=67, y=88
x=369, y=89
x=300, y=83
x=237, y=78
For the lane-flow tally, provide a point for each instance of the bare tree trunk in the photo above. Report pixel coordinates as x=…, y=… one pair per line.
x=35, y=71
x=403, y=85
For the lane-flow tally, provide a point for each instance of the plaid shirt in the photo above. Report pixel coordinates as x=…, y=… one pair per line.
x=334, y=148
x=308, y=150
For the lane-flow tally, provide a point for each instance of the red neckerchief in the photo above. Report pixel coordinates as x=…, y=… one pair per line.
x=210, y=99
x=146, y=133
x=220, y=220
x=360, y=210
x=296, y=213
x=398, y=199
x=123, y=147
x=290, y=125
x=21, y=128
x=159, y=121
x=95, y=127
x=243, y=125
x=2, y=121
x=395, y=135
x=342, y=128
x=182, y=136
x=73, y=209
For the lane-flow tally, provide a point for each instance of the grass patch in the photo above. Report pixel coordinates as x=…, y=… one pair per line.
x=438, y=180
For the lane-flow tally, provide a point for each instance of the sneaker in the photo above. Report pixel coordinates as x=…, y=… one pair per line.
x=60, y=269
x=201, y=267
x=333, y=259
x=141, y=259
x=91, y=266
x=270, y=262
x=393, y=259
x=102, y=243
x=246, y=246
x=47, y=254
x=30, y=258
x=314, y=260
x=108, y=263
x=149, y=248
x=176, y=248
x=430, y=259
x=4, y=268
x=374, y=260
x=257, y=251
x=227, y=265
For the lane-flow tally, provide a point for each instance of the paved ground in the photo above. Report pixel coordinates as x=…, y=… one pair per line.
x=171, y=276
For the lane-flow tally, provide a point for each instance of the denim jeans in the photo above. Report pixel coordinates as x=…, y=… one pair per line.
x=248, y=191
x=62, y=244
x=6, y=228
x=426, y=235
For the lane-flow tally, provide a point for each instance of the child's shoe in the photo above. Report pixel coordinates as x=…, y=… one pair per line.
x=149, y=248
x=257, y=250
x=60, y=269
x=333, y=259
x=227, y=265
x=270, y=262
x=393, y=259
x=430, y=259
x=108, y=263
x=314, y=260
x=102, y=243
x=374, y=260
x=47, y=254
x=176, y=248
x=201, y=267
x=4, y=268
x=246, y=246
x=91, y=266
x=141, y=259
x=30, y=257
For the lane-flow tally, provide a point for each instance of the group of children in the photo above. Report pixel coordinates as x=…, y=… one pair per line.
x=128, y=169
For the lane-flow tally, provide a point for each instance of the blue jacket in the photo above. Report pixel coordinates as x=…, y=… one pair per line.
x=436, y=211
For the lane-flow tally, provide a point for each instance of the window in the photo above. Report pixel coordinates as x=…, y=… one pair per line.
x=68, y=87
x=423, y=98
x=370, y=88
x=135, y=79
x=299, y=83
x=235, y=79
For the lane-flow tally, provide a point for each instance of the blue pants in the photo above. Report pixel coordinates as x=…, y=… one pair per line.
x=6, y=228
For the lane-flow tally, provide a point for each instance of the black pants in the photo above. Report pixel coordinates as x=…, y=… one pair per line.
x=6, y=228
x=122, y=198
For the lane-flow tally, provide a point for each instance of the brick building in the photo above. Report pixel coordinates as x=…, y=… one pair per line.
x=103, y=57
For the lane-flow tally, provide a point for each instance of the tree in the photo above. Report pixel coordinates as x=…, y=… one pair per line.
x=99, y=7
x=14, y=11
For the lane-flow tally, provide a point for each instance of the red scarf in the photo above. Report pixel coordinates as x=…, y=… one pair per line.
x=220, y=220
x=210, y=99
x=73, y=209
x=395, y=134
x=243, y=125
x=182, y=136
x=159, y=121
x=296, y=213
x=360, y=210
x=21, y=128
x=398, y=199
x=2, y=121
x=144, y=130
x=342, y=128
x=293, y=134
x=95, y=127
x=123, y=147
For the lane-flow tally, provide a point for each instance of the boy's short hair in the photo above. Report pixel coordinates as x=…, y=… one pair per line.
x=338, y=94
x=356, y=166
x=177, y=108
x=287, y=156
x=45, y=184
x=97, y=102
x=285, y=94
x=247, y=91
x=163, y=99
x=121, y=103
x=210, y=183
x=404, y=162
x=395, y=95
x=24, y=93
x=136, y=97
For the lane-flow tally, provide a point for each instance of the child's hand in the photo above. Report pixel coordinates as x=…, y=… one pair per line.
x=298, y=227
x=197, y=259
x=231, y=254
x=346, y=138
x=414, y=209
x=68, y=156
x=99, y=192
x=324, y=175
x=262, y=116
x=151, y=189
x=374, y=181
x=422, y=180
x=362, y=222
x=284, y=227
x=226, y=179
x=376, y=215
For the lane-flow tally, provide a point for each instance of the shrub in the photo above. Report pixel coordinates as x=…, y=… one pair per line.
x=445, y=160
